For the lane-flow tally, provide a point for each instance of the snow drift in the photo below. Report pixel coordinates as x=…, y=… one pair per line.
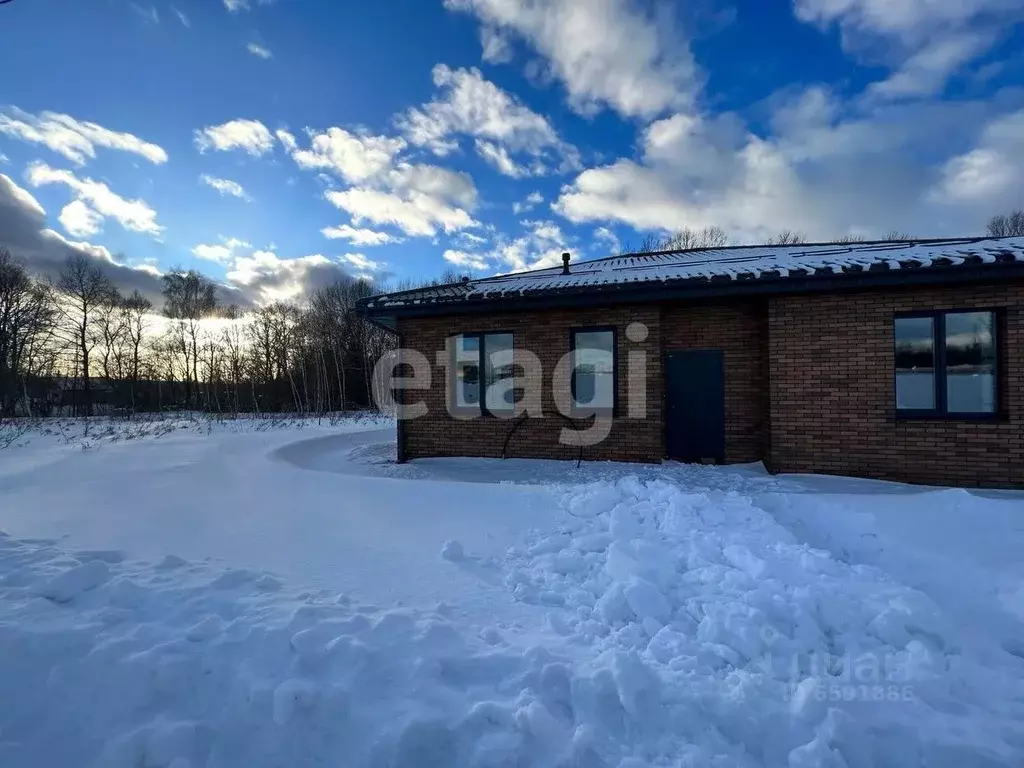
x=675, y=628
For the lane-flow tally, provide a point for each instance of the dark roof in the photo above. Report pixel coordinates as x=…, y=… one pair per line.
x=714, y=271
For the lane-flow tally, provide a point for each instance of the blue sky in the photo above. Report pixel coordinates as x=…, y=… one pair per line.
x=278, y=144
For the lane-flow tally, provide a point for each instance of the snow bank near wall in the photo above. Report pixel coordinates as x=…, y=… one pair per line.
x=741, y=642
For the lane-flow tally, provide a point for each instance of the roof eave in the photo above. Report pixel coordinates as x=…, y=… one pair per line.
x=701, y=289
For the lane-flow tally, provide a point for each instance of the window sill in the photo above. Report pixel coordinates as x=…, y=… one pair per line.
x=954, y=417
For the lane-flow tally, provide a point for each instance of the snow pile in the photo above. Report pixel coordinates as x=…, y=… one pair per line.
x=112, y=663
x=724, y=637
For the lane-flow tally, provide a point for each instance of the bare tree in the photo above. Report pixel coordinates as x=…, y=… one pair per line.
x=189, y=297
x=1007, y=225
x=26, y=320
x=786, y=237
x=685, y=239
x=82, y=290
x=135, y=310
x=898, y=236
x=849, y=239
x=110, y=321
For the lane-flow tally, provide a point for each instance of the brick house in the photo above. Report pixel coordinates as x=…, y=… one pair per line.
x=893, y=360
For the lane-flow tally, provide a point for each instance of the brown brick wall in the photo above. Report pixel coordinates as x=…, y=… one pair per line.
x=546, y=333
x=832, y=383
x=739, y=329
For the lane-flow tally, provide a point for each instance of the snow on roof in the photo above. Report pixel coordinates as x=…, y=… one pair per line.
x=730, y=263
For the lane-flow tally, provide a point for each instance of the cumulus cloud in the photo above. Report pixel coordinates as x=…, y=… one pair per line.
x=358, y=236
x=605, y=52
x=468, y=260
x=530, y=202
x=354, y=157
x=250, y=136
x=989, y=174
x=79, y=220
x=76, y=140
x=221, y=254
x=225, y=186
x=133, y=215
x=23, y=230
x=415, y=213
x=540, y=245
x=260, y=51
x=364, y=268
x=925, y=41
x=265, y=277
x=824, y=171
x=417, y=198
x=606, y=240
x=501, y=125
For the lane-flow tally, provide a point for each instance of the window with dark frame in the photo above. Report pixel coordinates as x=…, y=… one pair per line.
x=483, y=373
x=594, y=367
x=947, y=363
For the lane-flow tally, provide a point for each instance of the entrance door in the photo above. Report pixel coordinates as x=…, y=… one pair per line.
x=695, y=405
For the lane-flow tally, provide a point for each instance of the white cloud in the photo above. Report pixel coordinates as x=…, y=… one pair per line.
x=605, y=239
x=23, y=230
x=541, y=245
x=497, y=156
x=464, y=259
x=362, y=264
x=988, y=175
x=927, y=70
x=134, y=215
x=266, y=277
x=358, y=236
x=185, y=22
x=497, y=48
x=605, y=52
x=472, y=106
x=827, y=170
x=79, y=220
x=417, y=198
x=225, y=186
x=74, y=139
x=288, y=139
x=244, y=5
x=221, y=254
x=259, y=50
x=251, y=136
x=354, y=157
x=415, y=213
x=530, y=202
x=925, y=41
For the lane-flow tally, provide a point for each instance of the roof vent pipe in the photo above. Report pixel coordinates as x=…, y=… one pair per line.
x=565, y=263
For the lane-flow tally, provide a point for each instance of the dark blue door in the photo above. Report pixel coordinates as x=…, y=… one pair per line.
x=695, y=405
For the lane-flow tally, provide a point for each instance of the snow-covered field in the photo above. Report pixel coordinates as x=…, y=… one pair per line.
x=239, y=595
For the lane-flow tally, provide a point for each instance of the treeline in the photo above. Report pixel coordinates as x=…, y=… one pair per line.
x=75, y=345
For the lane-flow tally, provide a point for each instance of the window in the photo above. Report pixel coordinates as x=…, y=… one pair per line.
x=483, y=360
x=946, y=364
x=593, y=369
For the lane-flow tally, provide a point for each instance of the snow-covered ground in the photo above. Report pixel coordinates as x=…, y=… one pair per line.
x=238, y=595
